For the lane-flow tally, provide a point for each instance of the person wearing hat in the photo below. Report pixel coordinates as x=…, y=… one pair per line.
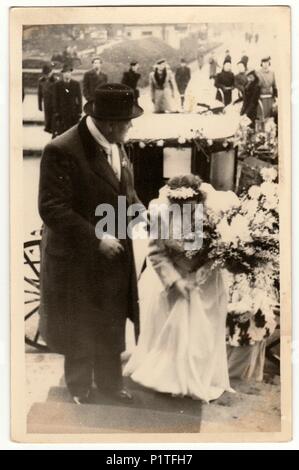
x=213, y=65
x=268, y=87
x=251, y=96
x=241, y=78
x=88, y=279
x=245, y=59
x=67, y=102
x=163, y=88
x=45, y=95
x=228, y=57
x=131, y=78
x=225, y=82
x=182, y=78
x=93, y=78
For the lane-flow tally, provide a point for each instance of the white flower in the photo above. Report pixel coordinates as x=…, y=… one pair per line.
x=181, y=140
x=269, y=189
x=251, y=207
x=271, y=202
x=181, y=193
x=240, y=227
x=141, y=144
x=269, y=174
x=254, y=192
x=160, y=143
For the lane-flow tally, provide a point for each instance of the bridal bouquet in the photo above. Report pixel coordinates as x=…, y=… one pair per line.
x=246, y=238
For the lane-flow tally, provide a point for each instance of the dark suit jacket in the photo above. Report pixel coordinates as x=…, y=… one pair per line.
x=67, y=104
x=91, y=81
x=182, y=78
x=131, y=78
x=81, y=290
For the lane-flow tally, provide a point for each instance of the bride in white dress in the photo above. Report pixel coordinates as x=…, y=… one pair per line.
x=183, y=305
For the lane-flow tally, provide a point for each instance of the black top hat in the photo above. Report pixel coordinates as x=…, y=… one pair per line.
x=161, y=61
x=113, y=102
x=67, y=68
x=134, y=62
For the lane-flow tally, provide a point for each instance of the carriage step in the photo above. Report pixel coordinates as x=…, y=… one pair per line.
x=144, y=399
x=67, y=418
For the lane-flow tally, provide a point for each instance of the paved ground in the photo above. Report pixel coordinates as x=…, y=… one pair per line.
x=254, y=407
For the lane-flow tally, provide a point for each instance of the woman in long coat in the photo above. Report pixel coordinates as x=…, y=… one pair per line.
x=224, y=81
x=163, y=88
x=251, y=97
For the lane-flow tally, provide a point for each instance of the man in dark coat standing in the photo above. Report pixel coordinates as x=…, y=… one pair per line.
x=182, y=78
x=131, y=78
x=67, y=102
x=45, y=95
x=93, y=78
x=88, y=280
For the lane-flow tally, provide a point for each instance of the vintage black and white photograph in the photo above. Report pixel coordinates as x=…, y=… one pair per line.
x=153, y=184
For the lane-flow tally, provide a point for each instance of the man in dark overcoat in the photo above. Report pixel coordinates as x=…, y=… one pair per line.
x=182, y=78
x=93, y=78
x=67, y=102
x=131, y=78
x=88, y=284
x=45, y=95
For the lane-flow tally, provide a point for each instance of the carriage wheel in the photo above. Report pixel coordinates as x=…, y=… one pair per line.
x=32, y=294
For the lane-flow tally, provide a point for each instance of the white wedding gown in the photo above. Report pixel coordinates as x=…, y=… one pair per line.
x=182, y=347
x=181, y=350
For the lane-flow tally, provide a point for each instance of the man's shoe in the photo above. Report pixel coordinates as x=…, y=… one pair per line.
x=82, y=399
x=120, y=395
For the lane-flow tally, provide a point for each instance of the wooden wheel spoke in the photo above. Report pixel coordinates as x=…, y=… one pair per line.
x=36, y=336
x=33, y=282
x=31, y=313
x=31, y=264
x=31, y=301
x=31, y=292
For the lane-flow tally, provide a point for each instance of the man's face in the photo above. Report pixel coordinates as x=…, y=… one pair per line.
x=119, y=130
x=67, y=76
x=97, y=64
x=135, y=68
x=241, y=68
x=266, y=65
x=183, y=64
x=227, y=67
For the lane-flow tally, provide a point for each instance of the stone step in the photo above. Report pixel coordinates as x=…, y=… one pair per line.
x=67, y=418
x=143, y=399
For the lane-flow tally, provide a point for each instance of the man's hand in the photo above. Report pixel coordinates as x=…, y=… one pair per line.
x=182, y=287
x=110, y=247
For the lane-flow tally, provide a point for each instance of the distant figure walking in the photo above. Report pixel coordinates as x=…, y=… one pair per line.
x=67, y=102
x=93, y=78
x=245, y=59
x=200, y=57
x=132, y=77
x=182, y=78
x=45, y=95
x=224, y=82
x=163, y=88
x=213, y=63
